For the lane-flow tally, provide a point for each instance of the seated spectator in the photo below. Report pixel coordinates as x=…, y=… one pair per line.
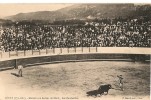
x=130, y=33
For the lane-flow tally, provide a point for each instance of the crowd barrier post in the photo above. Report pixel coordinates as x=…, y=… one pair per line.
x=54, y=50
x=16, y=53
x=24, y=52
x=9, y=54
x=39, y=52
x=60, y=50
x=96, y=49
x=89, y=48
x=46, y=51
x=1, y=54
x=32, y=51
x=75, y=49
x=68, y=50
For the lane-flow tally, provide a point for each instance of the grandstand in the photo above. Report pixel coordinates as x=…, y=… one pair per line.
x=134, y=33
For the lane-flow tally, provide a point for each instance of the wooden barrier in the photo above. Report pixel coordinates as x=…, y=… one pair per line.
x=73, y=58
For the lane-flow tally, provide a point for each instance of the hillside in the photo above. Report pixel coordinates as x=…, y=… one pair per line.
x=87, y=11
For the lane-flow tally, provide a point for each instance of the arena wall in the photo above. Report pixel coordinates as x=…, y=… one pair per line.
x=29, y=61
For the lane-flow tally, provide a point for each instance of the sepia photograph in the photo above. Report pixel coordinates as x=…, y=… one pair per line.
x=75, y=51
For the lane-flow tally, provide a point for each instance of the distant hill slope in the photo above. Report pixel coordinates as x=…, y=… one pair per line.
x=84, y=11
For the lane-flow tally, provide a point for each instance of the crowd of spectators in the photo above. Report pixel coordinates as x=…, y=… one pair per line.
x=130, y=33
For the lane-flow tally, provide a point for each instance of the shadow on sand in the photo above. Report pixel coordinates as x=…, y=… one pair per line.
x=94, y=93
x=15, y=74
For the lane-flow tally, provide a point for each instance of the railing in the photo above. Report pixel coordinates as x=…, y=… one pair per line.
x=48, y=51
x=0, y=54
x=77, y=50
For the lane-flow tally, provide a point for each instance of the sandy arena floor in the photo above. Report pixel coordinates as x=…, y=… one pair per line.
x=71, y=81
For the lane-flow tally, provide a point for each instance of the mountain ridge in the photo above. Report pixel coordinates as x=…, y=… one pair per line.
x=86, y=11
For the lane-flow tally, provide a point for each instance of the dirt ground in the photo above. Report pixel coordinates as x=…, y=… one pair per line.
x=71, y=81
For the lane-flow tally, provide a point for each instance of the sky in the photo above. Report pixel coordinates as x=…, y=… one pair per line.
x=12, y=9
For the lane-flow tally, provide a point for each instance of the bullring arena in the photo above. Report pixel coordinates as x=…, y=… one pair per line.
x=75, y=51
x=67, y=74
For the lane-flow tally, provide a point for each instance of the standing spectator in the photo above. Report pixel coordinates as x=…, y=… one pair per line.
x=20, y=70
